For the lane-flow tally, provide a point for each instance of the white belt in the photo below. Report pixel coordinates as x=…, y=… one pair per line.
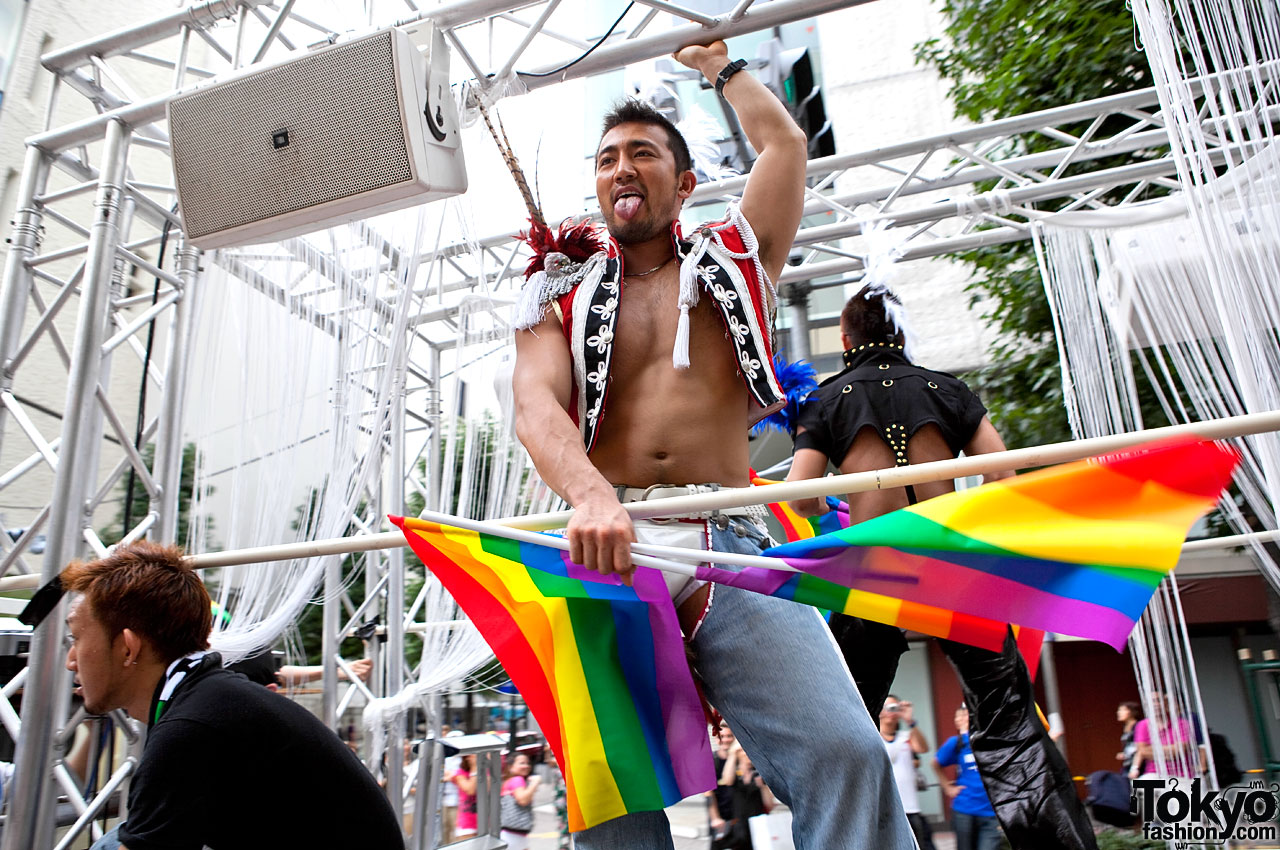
x=655, y=530
x=670, y=491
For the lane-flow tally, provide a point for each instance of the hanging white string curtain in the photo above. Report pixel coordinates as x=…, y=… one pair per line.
x=1195, y=294
x=488, y=474
x=316, y=364
x=1192, y=293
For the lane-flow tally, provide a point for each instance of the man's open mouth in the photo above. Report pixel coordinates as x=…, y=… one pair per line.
x=626, y=203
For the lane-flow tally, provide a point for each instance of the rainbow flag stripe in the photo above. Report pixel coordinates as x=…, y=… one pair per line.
x=796, y=527
x=600, y=665
x=1076, y=549
x=930, y=620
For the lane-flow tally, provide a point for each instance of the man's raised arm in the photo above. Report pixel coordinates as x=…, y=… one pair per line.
x=774, y=197
x=600, y=531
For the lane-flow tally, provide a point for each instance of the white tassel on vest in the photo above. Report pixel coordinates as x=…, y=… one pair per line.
x=688, y=299
x=558, y=278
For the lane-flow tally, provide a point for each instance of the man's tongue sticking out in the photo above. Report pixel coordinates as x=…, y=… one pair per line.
x=626, y=206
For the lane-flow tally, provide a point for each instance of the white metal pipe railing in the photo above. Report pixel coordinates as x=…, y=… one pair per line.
x=761, y=17
x=835, y=485
x=197, y=16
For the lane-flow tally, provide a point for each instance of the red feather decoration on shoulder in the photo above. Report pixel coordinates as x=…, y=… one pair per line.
x=576, y=241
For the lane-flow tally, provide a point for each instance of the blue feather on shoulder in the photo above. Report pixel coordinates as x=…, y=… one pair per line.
x=797, y=380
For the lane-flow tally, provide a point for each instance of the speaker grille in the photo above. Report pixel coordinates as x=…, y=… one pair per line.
x=342, y=113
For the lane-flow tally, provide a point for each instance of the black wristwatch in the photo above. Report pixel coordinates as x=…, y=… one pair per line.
x=728, y=71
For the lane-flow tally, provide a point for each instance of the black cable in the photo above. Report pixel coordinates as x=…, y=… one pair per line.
x=590, y=49
x=142, y=389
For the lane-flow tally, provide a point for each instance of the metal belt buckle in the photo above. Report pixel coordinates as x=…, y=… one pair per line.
x=645, y=497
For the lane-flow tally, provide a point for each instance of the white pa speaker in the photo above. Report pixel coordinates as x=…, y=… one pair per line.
x=345, y=132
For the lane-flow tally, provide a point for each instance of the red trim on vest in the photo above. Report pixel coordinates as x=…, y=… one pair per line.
x=733, y=241
x=566, y=326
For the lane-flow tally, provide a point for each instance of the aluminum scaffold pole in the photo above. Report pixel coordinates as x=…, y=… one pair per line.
x=168, y=457
x=31, y=811
x=15, y=288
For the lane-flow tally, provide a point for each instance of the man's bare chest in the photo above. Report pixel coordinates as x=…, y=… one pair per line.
x=648, y=319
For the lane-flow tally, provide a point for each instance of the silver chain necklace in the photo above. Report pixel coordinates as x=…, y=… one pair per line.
x=650, y=271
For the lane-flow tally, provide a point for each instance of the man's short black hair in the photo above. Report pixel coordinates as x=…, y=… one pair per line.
x=865, y=318
x=633, y=111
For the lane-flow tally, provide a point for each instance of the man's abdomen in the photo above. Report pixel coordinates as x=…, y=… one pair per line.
x=690, y=433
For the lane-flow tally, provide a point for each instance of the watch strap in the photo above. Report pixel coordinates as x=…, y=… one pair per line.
x=728, y=71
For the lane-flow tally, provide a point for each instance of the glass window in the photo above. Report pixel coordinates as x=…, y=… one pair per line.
x=11, y=14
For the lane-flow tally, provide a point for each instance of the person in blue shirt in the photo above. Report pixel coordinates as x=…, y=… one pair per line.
x=972, y=816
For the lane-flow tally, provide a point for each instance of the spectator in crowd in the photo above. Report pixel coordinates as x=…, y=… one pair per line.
x=139, y=632
x=1128, y=713
x=517, y=801
x=905, y=743
x=750, y=796
x=448, y=792
x=1182, y=754
x=465, y=778
x=720, y=798
x=972, y=816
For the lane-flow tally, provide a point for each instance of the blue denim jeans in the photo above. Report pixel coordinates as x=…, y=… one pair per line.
x=110, y=840
x=975, y=832
x=773, y=671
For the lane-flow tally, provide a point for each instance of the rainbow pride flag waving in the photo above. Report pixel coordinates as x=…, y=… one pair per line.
x=926, y=619
x=1076, y=549
x=601, y=666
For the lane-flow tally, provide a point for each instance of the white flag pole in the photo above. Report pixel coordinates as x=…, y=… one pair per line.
x=835, y=485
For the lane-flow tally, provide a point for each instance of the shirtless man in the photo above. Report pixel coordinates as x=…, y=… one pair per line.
x=679, y=405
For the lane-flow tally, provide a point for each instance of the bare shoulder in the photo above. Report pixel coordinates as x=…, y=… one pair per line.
x=541, y=351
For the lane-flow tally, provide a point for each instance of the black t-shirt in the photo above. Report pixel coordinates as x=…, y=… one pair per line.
x=882, y=390
x=234, y=766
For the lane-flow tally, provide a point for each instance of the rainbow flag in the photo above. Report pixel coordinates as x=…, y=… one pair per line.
x=601, y=666
x=1076, y=549
x=797, y=527
x=926, y=619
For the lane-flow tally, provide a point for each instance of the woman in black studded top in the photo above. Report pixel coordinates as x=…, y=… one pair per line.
x=883, y=411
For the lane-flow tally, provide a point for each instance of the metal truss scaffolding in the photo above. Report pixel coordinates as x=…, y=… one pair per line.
x=91, y=213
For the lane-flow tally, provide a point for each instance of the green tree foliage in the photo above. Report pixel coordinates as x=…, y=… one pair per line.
x=134, y=498
x=484, y=466
x=1011, y=57
x=310, y=626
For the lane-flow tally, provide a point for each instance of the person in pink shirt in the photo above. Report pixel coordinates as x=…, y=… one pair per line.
x=1177, y=742
x=517, y=802
x=464, y=777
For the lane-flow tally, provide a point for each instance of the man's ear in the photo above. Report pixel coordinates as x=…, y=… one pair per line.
x=132, y=646
x=686, y=184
